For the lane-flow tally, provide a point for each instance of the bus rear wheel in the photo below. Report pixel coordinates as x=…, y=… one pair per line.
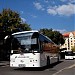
x=58, y=59
x=48, y=60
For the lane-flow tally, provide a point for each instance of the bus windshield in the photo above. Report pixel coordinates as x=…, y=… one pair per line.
x=25, y=42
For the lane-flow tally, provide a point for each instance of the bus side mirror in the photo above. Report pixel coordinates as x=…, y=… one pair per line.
x=33, y=52
x=11, y=51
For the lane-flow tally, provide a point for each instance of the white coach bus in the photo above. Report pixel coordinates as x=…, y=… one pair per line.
x=32, y=49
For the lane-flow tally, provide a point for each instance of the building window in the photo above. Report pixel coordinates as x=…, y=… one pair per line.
x=65, y=44
x=71, y=44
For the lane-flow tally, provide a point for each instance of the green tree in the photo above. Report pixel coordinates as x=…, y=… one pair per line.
x=11, y=21
x=55, y=36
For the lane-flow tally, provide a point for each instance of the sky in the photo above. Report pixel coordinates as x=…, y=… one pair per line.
x=56, y=14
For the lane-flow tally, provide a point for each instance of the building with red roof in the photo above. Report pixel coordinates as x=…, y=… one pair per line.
x=69, y=40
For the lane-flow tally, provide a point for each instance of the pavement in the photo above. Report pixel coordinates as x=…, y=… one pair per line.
x=4, y=63
x=65, y=67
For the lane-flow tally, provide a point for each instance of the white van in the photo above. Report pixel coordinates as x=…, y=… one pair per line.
x=74, y=55
x=69, y=55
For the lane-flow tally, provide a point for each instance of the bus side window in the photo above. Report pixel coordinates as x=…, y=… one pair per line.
x=41, y=46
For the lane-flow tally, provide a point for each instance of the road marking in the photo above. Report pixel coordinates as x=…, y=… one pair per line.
x=64, y=69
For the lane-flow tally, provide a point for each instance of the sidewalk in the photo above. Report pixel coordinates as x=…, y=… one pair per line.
x=4, y=63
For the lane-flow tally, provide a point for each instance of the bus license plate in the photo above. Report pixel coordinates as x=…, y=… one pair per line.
x=21, y=65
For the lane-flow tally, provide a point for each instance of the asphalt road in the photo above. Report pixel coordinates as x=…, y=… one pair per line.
x=64, y=67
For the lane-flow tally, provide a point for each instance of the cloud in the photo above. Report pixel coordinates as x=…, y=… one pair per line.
x=51, y=11
x=21, y=12
x=23, y=20
x=38, y=6
x=66, y=10
x=72, y=1
x=60, y=30
x=69, y=1
x=34, y=16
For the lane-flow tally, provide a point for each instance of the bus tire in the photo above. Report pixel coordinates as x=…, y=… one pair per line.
x=48, y=60
x=58, y=59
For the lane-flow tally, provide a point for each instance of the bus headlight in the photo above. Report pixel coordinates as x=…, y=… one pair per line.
x=12, y=60
x=30, y=60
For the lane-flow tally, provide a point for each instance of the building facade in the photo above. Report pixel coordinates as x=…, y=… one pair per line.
x=69, y=40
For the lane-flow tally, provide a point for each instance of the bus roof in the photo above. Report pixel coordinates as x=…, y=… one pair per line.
x=24, y=32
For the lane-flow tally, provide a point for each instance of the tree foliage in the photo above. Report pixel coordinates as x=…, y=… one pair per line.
x=11, y=21
x=55, y=36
